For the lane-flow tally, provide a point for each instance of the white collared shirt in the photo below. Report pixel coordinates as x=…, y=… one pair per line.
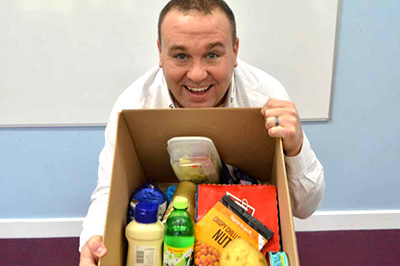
x=250, y=87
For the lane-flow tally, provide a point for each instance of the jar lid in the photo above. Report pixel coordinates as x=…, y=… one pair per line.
x=146, y=212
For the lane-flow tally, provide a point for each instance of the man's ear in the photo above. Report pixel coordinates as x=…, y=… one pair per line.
x=159, y=53
x=236, y=51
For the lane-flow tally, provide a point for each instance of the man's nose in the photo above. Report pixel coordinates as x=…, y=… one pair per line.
x=197, y=72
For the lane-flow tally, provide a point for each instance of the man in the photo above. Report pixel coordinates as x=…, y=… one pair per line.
x=198, y=67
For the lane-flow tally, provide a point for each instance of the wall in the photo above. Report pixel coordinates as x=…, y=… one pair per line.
x=51, y=172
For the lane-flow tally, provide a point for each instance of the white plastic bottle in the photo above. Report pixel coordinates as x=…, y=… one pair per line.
x=145, y=236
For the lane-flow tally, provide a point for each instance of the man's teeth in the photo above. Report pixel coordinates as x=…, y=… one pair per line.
x=197, y=89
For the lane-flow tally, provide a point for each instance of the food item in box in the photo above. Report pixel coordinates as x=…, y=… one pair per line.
x=169, y=193
x=240, y=253
x=259, y=200
x=194, y=159
x=145, y=236
x=278, y=259
x=147, y=193
x=179, y=235
x=185, y=189
x=206, y=254
x=232, y=175
x=225, y=222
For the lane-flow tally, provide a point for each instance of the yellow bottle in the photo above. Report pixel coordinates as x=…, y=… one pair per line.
x=145, y=236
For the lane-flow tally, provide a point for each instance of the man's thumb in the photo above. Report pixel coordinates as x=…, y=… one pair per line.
x=101, y=250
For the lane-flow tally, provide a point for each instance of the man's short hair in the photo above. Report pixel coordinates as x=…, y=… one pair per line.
x=204, y=6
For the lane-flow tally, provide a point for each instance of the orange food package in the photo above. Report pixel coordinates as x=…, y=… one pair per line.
x=260, y=201
x=225, y=222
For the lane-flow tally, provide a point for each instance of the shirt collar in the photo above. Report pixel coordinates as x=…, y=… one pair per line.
x=231, y=92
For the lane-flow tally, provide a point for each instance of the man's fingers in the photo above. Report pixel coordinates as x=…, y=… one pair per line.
x=99, y=252
x=97, y=247
x=280, y=112
x=87, y=258
x=87, y=261
x=279, y=132
x=276, y=107
x=92, y=251
x=281, y=126
x=275, y=103
x=273, y=121
x=282, y=120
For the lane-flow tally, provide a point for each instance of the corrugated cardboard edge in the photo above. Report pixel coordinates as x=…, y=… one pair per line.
x=126, y=165
x=288, y=236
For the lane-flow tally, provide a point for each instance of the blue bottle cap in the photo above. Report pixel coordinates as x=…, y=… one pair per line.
x=146, y=212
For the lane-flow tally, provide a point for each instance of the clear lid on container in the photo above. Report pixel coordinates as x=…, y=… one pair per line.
x=194, y=159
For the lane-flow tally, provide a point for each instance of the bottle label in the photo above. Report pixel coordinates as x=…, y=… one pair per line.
x=178, y=256
x=145, y=256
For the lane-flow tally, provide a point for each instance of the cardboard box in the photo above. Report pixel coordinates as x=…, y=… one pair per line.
x=141, y=154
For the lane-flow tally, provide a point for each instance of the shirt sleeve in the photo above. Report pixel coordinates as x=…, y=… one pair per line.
x=94, y=223
x=306, y=181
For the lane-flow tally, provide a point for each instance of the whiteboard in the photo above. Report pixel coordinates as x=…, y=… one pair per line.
x=65, y=62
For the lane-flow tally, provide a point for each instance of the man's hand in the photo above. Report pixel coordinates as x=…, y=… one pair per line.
x=282, y=120
x=92, y=250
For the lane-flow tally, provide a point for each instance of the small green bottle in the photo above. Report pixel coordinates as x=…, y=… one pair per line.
x=179, y=235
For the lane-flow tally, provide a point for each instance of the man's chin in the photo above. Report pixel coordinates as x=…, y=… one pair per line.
x=197, y=102
x=201, y=104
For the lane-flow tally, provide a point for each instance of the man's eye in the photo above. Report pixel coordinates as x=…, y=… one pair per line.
x=212, y=56
x=180, y=56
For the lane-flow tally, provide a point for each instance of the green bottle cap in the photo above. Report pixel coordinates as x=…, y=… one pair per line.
x=180, y=203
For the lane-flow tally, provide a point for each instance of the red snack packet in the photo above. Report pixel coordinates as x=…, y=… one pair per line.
x=225, y=222
x=260, y=201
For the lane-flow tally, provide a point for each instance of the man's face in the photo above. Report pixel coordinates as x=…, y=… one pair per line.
x=197, y=56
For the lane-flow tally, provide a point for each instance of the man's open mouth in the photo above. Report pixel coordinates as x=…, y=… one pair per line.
x=198, y=89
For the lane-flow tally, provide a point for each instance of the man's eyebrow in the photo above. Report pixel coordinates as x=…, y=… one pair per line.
x=177, y=47
x=216, y=45
x=183, y=48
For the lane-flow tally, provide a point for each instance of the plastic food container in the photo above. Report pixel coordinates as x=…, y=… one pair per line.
x=194, y=159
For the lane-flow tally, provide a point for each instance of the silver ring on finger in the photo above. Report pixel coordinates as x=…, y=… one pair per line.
x=276, y=121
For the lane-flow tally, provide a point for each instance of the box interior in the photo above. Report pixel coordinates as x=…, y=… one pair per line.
x=141, y=155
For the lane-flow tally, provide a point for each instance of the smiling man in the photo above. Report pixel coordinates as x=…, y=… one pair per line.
x=199, y=67
x=198, y=55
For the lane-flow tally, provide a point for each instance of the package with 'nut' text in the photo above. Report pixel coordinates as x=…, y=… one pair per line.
x=259, y=200
x=225, y=222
